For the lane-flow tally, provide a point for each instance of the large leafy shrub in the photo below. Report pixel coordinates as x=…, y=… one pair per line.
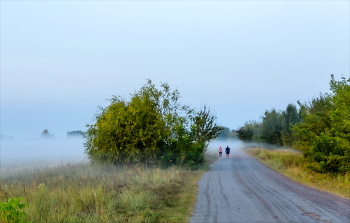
x=152, y=127
x=325, y=129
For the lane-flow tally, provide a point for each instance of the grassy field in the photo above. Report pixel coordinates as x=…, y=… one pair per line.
x=294, y=166
x=93, y=193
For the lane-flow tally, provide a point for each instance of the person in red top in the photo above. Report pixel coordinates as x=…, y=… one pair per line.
x=220, y=152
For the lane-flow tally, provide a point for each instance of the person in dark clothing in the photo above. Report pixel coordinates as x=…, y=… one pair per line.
x=227, y=151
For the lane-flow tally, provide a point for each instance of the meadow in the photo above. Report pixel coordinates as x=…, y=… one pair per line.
x=84, y=192
x=295, y=166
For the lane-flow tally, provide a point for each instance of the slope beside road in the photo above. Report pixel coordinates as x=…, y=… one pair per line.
x=241, y=189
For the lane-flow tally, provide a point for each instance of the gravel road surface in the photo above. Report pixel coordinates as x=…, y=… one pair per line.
x=241, y=189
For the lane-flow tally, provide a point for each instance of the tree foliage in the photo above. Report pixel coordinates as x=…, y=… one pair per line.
x=153, y=126
x=274, y=127
x=204, y=125
x=315, y=119
x=290, y=117
x=249, y=131
x=320, y=129
x=12, y=211
x=325, y=129
x=271, y=127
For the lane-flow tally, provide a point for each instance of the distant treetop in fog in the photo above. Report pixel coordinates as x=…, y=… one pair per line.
x=226, y=133
x=45, y=134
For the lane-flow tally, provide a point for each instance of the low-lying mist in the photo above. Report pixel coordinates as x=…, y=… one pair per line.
x=236, y=144
x=18, y=155
x=36, y=153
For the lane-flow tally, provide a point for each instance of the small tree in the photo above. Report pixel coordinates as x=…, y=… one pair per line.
x=249, y=131
x=289, y=117
x=45, y=134
x=152, y=126
x=204, y=126
x=271, y=127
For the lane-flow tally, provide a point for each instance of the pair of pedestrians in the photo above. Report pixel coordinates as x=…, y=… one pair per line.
x=227, y=151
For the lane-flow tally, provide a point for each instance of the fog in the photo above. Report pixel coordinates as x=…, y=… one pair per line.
x=236, y=144
x=31, y=154
x=36, y=153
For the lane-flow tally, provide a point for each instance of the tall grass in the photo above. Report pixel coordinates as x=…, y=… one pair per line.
x=92, y=193
x=294, y=165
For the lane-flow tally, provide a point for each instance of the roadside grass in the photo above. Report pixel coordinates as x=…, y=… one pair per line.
x=100, y=193
x=294, y=166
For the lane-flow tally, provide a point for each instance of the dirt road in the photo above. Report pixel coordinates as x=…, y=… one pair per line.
x=240, y=189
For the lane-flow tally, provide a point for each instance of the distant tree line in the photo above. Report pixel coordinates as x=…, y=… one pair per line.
x=274, y=127
x=152, y=127
x=320, y=128
x=76, y=133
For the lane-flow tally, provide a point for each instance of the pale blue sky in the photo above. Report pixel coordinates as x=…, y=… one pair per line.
x=60, y=60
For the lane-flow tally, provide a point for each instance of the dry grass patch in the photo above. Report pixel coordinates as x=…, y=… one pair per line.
x=91, y=193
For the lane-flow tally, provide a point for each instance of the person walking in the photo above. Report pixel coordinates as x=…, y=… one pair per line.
x=220, y=152
x=227, y=151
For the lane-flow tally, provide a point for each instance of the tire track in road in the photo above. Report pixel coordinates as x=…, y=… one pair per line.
x=334, y=203
x=214, y=196
x=241, y=189
x=280, y=206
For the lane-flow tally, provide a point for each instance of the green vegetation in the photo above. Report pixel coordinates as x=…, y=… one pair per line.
x=295, y=166
x=275, y=127
x=152, y=128
x=11, y=212
x=128, y=145
x=320, y=129
x=104, y=193
x=324, y=133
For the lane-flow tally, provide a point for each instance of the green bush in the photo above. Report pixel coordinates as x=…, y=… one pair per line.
x=324, y=131
x=153, y=127
x=11, y=212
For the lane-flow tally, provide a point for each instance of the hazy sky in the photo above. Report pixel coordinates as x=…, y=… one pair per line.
x=60, y=60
